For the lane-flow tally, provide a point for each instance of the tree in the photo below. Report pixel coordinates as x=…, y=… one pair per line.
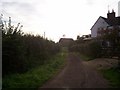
x=113, y=37
x=21, y=52
x=12, y=49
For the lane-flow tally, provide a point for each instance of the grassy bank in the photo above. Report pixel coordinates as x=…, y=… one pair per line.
x=113, y=75
x=37, y=76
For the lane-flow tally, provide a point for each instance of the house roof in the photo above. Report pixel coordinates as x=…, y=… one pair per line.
x=65, y=40
x=96, y=22
x=109, y=22
x=116, y=21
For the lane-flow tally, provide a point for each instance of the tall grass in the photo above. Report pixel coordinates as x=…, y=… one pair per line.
x=37, y=76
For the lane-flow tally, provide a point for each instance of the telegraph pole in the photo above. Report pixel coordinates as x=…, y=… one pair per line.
x=44, y=35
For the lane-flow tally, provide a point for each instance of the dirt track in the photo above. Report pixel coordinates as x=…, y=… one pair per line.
x=77, y=74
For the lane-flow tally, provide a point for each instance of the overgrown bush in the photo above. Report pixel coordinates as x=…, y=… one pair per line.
x=21, y=52
x=91, y=48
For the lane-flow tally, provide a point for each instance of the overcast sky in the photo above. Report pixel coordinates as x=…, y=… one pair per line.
x=57, y=17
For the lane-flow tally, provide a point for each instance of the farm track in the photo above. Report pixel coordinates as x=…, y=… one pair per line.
x=77, y=74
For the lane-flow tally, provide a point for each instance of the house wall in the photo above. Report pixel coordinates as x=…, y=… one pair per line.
x=99, y=24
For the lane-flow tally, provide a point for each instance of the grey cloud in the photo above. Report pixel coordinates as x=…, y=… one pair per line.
x=18, y=6
x=20, y=11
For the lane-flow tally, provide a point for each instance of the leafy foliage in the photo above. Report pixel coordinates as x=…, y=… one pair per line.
x=113, y=37
x=91, y=48
x=22, y=52
x=107, y=44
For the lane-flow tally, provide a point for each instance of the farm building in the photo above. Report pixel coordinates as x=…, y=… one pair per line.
x=65, y=42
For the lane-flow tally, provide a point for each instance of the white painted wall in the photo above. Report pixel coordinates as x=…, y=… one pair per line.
x=99, y=24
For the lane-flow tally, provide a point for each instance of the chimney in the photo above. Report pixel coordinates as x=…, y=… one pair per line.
x=111, y=16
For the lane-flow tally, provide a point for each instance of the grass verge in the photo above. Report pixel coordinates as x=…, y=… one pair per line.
x=37, y=76
x=113, y=75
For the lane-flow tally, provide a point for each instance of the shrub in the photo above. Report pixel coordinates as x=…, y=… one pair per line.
x=22, y=52
x=89, y=48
